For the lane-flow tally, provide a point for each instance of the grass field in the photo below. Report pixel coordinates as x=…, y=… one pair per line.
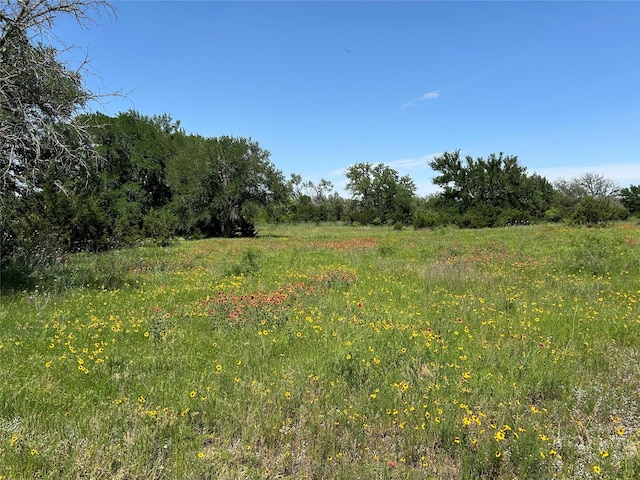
x=330, y=352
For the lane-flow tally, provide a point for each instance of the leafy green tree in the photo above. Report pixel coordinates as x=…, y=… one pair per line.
x=132, y=179
x=220, y=185
x=630, y=198
x=485, y=193
x=380, y=195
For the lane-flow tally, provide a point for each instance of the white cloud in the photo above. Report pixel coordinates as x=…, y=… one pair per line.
x=430, y=95
x=426, y=96
x=412, y=163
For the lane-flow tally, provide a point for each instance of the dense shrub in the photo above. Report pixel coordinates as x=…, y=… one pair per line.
x=594, y=211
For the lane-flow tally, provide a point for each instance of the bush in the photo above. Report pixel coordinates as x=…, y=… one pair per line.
x=553, y=215
x=248, y=263
x=511, y=216
x=427, y=218
x=593, y=211
x=594, y=254
x=630, y=198
x=481, y=216
x=159, y=225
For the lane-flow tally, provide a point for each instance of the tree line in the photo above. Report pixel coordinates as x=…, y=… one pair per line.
x=73, y=181
x=155, y=181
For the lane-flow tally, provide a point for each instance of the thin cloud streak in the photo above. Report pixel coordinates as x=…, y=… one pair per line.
x=422, y=98
x=412, y=163
x=430, y=95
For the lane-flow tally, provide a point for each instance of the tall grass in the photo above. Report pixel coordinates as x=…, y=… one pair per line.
x=330, y=352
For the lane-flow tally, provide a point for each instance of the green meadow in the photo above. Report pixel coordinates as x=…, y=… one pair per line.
x=330, y=352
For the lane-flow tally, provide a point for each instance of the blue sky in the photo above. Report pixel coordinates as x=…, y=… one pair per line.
x=323, y=85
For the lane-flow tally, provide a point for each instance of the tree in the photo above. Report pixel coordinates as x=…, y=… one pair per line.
x=597, y=210
x=588, y=199
x=596, y=185
x=40, y=94
x=311, y=202
x=42, y=143
x=630, y=198
x=221, y=183
x=132, y=181
x=380, y=194
x=495, y=191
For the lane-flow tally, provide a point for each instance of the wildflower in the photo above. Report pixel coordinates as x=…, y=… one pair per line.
x=287, y=394
x=141, y=399
x=14, y=440
x=621, y=431
x=597, y=469
x=192, y=394
x=499, y=436
x=498, y=453
x=604, y=453
x=200, y=454
x=218, y=368
x=34, y=452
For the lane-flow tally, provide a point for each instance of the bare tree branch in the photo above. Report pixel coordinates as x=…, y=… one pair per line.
x=40, y=95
